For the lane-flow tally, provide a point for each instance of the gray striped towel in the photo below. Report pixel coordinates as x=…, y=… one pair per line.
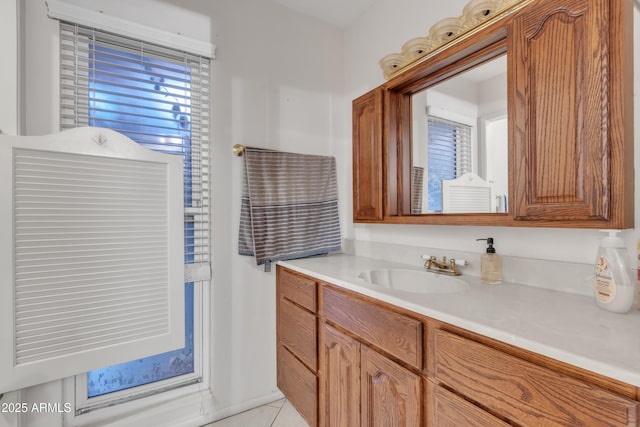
x=289, y=206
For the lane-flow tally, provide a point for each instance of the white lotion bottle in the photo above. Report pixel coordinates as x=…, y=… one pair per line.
x=614, y=288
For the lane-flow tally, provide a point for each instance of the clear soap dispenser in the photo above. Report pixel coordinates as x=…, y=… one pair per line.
x=615, y=288
x=490, y=265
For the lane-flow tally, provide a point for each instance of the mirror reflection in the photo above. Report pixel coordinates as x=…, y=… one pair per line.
x=459, y=143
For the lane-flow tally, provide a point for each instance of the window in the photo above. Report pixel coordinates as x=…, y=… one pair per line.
x=449, y=156
x=158, y=97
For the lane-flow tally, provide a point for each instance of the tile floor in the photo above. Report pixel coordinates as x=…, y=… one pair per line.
x=275, y=414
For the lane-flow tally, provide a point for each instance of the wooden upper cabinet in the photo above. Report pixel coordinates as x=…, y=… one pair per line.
x=367, y=156
x=571, y=151
x=570, y=115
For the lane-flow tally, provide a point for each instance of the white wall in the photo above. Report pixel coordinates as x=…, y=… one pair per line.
x=9, y=115
x=383, y=30
x=9, y=69
x=492, y=100
x=277, y=82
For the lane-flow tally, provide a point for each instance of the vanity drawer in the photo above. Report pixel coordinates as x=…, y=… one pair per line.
x=522, y=392
x=299, y=385
x=446, y=409
x=297, y=332
x=297, y=288
x=394, y=333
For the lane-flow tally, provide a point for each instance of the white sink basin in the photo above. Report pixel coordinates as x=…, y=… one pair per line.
x=414, y=281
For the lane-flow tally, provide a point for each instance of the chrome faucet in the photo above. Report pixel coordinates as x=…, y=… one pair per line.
x=443, y=267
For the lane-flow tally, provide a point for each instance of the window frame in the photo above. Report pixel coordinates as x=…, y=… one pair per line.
x=88, y=411
x=91, y=411
x=178, y=402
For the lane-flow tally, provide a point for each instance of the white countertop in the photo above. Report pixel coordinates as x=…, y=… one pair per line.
x=566, y=327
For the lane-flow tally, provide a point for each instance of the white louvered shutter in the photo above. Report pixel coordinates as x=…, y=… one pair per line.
x=91, y=247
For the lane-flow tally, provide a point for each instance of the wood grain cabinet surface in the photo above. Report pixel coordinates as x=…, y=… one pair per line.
x=340, y=380
x=359, y=386
x=398, y=335
x=367, y=157
x=297, y=342
x=447, y=409
x=523, y=392
x=391, y=394
x=572, y=162
x=461, y=379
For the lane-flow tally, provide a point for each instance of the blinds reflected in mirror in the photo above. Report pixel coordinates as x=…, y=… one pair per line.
x=449, y=156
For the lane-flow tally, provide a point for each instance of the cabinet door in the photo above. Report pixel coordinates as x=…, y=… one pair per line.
x=367, y=156
x=340, y=382
x=391, y=395
x=298, y=384
x=445, y=409
x=566, y=154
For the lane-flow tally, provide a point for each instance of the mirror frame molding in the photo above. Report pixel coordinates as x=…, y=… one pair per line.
x=470, y=50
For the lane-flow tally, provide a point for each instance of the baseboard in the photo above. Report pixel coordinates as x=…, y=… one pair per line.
x=242, y=407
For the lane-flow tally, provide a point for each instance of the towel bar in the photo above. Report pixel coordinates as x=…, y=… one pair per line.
x=238, y=150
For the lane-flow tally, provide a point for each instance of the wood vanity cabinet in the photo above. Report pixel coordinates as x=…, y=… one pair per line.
x=381, y=365
x=297, y=342
x=360, y=385
x=367, y=157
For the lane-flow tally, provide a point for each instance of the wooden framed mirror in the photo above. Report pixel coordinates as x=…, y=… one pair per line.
x=569, y=123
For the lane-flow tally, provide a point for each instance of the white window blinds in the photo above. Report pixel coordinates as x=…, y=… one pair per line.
x=156, y=96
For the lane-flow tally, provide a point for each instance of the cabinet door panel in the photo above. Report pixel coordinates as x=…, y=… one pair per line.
x=523, y=392
x=391, y=395
x=445, y=409
x=340, y=384
x=561, y=164
x=298, y=384
x=367, y=157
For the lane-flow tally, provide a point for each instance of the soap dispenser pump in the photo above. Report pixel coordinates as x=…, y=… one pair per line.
x=490, y=265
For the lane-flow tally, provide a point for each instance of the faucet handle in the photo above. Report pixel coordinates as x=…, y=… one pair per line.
x=459, y=261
